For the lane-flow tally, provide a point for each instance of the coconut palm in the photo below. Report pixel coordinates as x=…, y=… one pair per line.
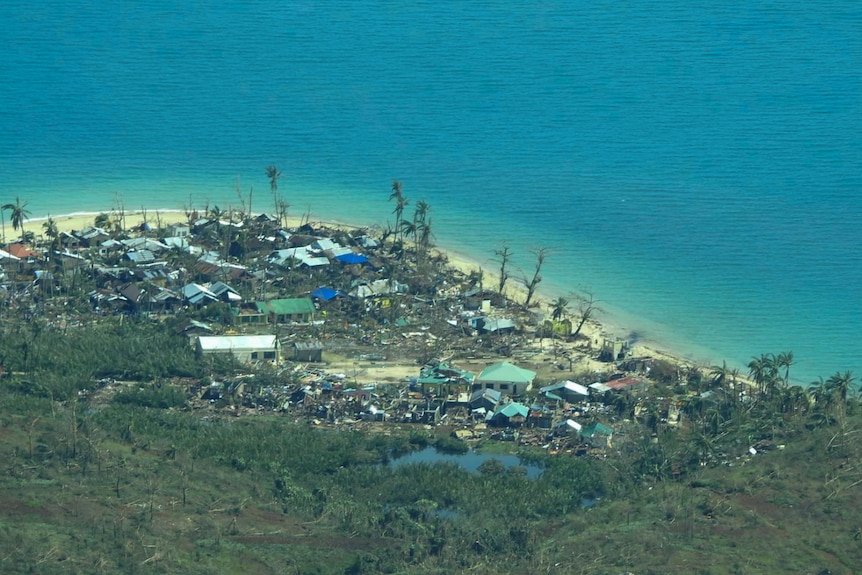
x=51, y=231
x=558, y=308
x=400, y=203
x=273, y=174
x=785, y=360
x=408, y=229
x=18, y=213
x=425, y=235
x=421, y=212
x=822, y=396
x=839, y=384
x=719, y=374
x=764, y=371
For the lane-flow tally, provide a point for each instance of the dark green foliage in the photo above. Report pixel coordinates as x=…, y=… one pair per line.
x=450, y=445
x=129, y=486
x=57, y=363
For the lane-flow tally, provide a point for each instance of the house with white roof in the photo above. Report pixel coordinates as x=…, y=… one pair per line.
x=245, y=348
x=566, y=391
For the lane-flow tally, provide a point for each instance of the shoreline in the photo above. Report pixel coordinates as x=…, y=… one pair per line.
x=596, y=328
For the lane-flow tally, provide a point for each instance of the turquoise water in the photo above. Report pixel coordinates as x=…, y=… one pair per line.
x=696, y=166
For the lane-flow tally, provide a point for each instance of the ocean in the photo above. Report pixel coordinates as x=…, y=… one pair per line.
x=697, y=166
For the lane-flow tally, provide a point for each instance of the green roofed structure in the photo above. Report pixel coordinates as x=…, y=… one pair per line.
x=287, y=310
x=444, y=380
x=597, y=435
x=505, y=377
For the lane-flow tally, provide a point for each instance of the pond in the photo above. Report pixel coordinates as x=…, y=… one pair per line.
x=469, y=461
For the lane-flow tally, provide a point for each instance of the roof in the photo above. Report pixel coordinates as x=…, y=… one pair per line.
x=237, y=342
x=624, y=383
x=324, y=244
x=513, y=409
x=302, y=255
x=144, y=244
x=379, y=287
x=220, y=289
x=141, y=256
x=491, y=395
x=7, y=255
x=352, y=258
x=92, y=232
x=289, y=306
x=195, y=293
x=569, y=386
x=491, y=324
x=326, y=293
x=506, y=372
x=569, y=424
x=308, y=346
x=599, y=387
x=21, y=251
x=596, y=429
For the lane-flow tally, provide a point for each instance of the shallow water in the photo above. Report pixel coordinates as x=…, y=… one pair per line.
x=471, y=461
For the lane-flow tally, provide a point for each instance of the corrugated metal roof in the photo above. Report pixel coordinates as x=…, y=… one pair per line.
x=506, y=372
x=289, y=306
x=513, y=409
x=237, y=342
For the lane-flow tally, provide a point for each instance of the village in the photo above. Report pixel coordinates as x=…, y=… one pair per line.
x=237, y=382
x=341, y=328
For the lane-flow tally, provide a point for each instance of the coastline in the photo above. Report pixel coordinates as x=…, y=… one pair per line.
x=596, y=329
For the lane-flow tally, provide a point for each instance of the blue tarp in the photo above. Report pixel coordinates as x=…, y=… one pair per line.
x=326, y=293
x=352, y=258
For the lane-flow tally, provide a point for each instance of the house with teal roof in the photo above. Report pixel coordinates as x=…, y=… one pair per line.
x=597, y=435
x=444, y=380
x=505, y=377
x=509, y=414
x=288, y=310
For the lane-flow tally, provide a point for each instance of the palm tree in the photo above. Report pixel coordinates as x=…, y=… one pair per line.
x=785, y=360
x=103, y=221
x=400, y=203
x=797, y=400
x=51, y=231
x=273, y=174
x=408, y=229
x=822, y=395
x=720, y=374
x=558, y=310
x=421, y=227
x=839, y=384
x=764, y=372
x=425, y=235
x=18, y=213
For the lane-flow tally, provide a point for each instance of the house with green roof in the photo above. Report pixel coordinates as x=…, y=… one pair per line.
x=288, y=310
x=505, y=377
x=509, y=415
x=597, y=435
x=444, y=380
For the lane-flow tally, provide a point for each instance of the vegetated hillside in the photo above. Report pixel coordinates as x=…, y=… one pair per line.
x=135, y=481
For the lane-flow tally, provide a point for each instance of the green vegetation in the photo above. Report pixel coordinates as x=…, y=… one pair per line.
x=112, y=462
x=136, y=482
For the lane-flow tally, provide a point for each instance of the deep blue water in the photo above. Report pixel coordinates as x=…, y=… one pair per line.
x=696, y=165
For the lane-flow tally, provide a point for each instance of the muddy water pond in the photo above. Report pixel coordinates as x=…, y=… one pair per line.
x=470, y=460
